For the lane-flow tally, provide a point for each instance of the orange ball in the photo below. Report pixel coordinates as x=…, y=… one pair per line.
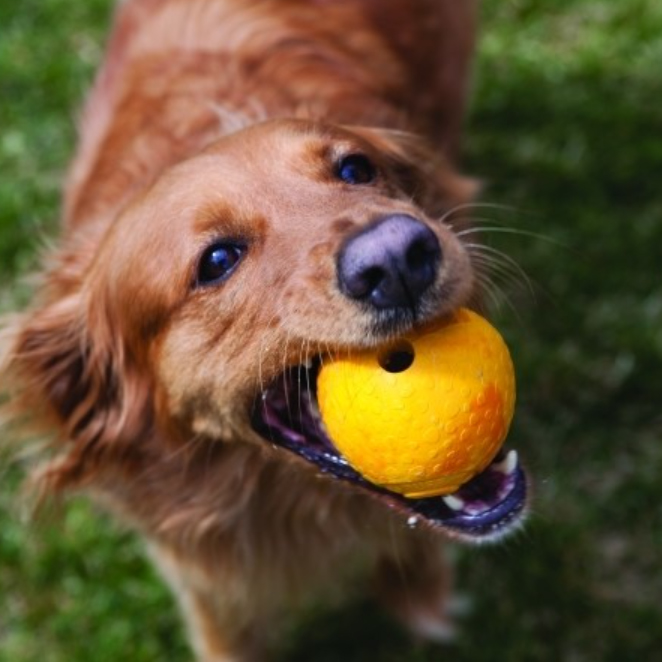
x=424, y=415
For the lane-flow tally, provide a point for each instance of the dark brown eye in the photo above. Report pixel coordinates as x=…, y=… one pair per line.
x=218, y=261
x=355, y=169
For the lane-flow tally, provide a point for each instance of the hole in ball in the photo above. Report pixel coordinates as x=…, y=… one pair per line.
x=397, y=358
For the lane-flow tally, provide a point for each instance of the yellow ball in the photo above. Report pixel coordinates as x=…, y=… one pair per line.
x=426, y=428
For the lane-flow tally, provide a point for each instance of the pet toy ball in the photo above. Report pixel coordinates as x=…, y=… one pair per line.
x=424, y=415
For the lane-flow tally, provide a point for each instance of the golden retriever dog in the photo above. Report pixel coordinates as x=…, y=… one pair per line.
x=258, y=184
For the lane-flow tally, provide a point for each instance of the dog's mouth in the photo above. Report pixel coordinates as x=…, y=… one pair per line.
x=487, y=507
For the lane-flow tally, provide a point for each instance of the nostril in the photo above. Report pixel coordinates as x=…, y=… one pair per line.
x=373, y=277
x=422, y=253
x=363, y=282
x=390, y=264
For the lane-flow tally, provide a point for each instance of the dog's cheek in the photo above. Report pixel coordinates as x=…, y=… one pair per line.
x=320, y=264
x=207, y=375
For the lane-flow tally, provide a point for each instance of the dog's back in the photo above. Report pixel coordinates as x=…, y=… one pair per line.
x=178, y=74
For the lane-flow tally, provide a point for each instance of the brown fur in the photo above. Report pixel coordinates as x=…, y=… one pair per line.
x=144, y=382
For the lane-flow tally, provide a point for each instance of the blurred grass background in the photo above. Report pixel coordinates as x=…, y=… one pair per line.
x=566, y=133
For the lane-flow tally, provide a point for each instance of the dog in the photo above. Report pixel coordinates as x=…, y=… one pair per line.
x=258, y=185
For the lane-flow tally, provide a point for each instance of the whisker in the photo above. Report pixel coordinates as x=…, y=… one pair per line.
x=445, y=218
x=328, y=353
x=496, y=294
x=497, y=272
x=463, y=217
x=300, y=390
x=499, y=281
x=317, y=352
x=486, y=229
x=306, y=357
x=490, y=289
x=503, y=286
x=501, y=263
x=323, y=355
x=286, y=377
x=261, y=355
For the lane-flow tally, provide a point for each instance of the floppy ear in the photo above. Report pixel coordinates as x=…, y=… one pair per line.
x=71, y=376
x=427, y=176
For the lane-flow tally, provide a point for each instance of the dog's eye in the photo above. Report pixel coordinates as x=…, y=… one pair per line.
x=218, y=261
x=355, y=169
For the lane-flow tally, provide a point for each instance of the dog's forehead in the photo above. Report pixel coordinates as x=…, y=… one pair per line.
x=276, y=173
x=284, y=146
x=277, y=168
x=283, y=135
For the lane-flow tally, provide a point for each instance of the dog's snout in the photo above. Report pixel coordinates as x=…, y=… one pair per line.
x=391, y=264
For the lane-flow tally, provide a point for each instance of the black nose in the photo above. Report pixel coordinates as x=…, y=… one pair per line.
x=390, y=264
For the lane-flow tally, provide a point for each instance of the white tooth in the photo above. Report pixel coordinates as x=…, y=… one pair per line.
x=508, y=464
x=412, y=521
x=454, y=502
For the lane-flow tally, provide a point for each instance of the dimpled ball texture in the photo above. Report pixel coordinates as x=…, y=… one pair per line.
x=424, y=415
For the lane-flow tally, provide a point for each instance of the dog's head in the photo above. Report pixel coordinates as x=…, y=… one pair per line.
x=211, y=298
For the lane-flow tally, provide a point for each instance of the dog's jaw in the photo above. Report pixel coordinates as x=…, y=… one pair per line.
x=487, y=508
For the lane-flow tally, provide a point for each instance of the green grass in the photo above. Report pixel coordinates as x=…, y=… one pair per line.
x=566, y=133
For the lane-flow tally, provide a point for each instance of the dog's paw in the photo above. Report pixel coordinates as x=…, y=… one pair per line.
x=436, y=622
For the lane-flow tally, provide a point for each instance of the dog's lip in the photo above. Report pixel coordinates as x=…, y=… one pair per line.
x=487, y=507
x=473, y=517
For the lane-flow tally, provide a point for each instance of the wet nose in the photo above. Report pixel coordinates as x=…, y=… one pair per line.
x=391, y=264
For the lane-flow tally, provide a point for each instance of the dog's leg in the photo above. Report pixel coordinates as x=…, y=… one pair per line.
x=414, y=584
x=223, y=623
x=214, y=636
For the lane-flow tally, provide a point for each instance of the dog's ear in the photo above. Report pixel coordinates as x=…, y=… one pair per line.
x=425, y=175
x=72, y=377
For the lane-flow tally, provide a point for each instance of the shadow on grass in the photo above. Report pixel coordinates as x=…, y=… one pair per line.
x=534, y=600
